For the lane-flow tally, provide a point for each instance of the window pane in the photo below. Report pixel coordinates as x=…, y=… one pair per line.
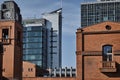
x=32, y=51
x=107, y=53
x=34, y=45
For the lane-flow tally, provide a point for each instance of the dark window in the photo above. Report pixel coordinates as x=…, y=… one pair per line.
x=5, y=33
x=3, y=70
x=4, y=6
x=108, y=27
x=30, y=69
x=107, y=53
x=18, y=36
x=1, y=48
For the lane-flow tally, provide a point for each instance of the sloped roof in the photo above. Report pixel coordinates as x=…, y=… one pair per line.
x=103, y=26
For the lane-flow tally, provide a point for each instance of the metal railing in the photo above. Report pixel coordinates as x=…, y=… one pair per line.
x=5, y=41
x=108, y=64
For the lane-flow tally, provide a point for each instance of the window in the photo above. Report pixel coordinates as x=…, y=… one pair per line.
x=33, y=51
x=29, y=29
x=32, y=57
x=4, y=6
x=1, y=48
x=5, y=33
x=33, y=45
x=3, y=70
x=18, y=36
x=108, y=27
x=30, y=69
x=107, y=53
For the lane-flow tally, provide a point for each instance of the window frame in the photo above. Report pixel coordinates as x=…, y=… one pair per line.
x=106, y=55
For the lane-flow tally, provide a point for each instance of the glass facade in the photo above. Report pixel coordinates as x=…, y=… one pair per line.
x=92, y=13
x=34, y=43
x=54, y=35
x=43, y=40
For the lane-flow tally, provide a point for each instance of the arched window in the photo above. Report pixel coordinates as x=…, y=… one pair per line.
x=107, y=53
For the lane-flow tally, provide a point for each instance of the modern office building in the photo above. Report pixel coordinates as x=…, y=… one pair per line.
x=42, y=40
x=35, y=42
x=11, y=38
x=99, y=11
x=54, y=38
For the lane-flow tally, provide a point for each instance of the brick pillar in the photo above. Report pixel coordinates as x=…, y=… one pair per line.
x=79, y=49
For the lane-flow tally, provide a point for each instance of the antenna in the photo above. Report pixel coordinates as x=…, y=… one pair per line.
x=61, y=3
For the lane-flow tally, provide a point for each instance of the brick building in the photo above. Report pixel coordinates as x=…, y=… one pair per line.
x=11, y=38
x=98, y=52
x=32, y=70
x=12, y=59
x=29, y=69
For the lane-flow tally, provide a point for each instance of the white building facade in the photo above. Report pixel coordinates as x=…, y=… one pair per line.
x=54, y=26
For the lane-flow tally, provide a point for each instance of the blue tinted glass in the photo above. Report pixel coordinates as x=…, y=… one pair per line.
x=37, y=28
x=107, y=49
x=34, y=34
x=107, y=53
x=24, y=29
x=24, y=45
x=32, y=51
x=33, y=57
x=24, y=40
x=39, y=63
x=29, y=29
x=34, y=39
x=34, y=45
x=24, y=34
x=24, y=57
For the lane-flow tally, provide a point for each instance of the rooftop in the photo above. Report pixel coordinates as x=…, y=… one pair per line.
x=100, y=1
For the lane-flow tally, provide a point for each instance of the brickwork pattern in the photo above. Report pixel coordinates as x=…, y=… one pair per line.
x=93, y=39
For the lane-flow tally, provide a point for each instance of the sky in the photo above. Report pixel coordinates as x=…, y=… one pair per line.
x=71, y=22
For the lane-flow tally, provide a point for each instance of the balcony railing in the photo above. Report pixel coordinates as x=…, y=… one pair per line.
x=108, y=66
x=5, y=41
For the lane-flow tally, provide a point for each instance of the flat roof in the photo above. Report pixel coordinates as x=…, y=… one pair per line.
x=97, y=2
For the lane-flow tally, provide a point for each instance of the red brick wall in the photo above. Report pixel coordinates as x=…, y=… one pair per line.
x=78, y=55
x=89, y=42
x=27, y=72
x=12, y=58
x=95, y=42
